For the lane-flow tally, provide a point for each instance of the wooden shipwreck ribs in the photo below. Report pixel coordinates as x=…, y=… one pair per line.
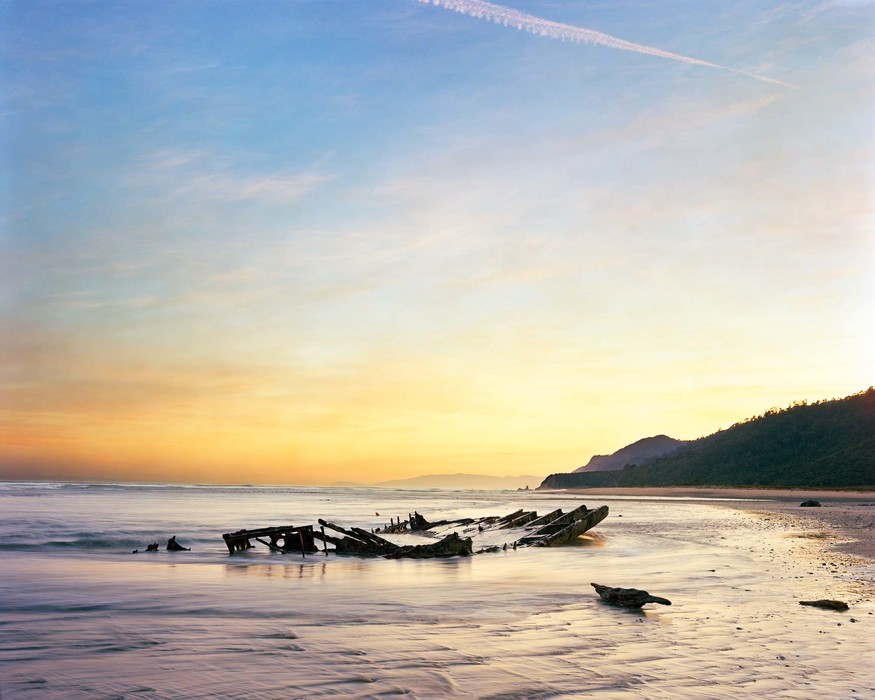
x=553, y=529
x=286, y=538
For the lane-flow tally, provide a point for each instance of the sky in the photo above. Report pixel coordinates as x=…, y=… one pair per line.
x=314, y=241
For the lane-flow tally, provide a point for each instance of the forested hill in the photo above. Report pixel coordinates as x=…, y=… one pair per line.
x=827, y=444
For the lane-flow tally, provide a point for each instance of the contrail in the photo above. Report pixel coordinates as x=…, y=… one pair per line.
x=568, y=32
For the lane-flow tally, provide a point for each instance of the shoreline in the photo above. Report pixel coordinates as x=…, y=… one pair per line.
x=850, y=514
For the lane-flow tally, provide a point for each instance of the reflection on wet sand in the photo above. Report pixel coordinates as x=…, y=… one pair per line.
x=278, y=570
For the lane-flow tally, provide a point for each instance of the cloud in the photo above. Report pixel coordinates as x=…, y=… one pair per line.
x=509, y=17
x=207, y=176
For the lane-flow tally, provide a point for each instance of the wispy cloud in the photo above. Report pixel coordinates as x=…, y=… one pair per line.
x=207, y=176
x=509, y=17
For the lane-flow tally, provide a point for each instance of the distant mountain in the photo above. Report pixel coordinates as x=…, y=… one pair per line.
x=463, y=481
x=825, y=444
x=636, y=453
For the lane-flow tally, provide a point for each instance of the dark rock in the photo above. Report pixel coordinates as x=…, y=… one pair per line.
x=149, y=548
x=825, y=604
x=810, y=504
x=627, y=597
x=174, y=546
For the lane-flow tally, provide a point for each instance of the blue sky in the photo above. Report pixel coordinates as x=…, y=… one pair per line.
x=335, y=237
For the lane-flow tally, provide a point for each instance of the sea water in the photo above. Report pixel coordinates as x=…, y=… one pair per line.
x=81, y=616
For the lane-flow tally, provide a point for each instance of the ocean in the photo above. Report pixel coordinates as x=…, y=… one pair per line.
x=81, y=616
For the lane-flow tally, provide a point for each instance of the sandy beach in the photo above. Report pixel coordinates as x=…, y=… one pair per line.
x=845, y=521
x=85, y=618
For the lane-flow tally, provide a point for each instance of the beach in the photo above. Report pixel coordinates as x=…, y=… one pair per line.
x=849, y=515
x=83, y=617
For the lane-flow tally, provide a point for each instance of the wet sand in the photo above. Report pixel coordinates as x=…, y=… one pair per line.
x=88, y=621
x=845, y=520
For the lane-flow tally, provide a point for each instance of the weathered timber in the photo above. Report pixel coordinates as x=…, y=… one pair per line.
x=419, y=523
x=349, y=545
x=284, y=538
x=523, y=519
x=552, y=529
x=826, y=604
x=395, y=528
x=330, y=539
x=270, y=545
x=366, y=536
x=627, y=597
x=564, y=528
x=336, y=528
x=358, y=541
x=546, y=519
x=510, y=516
x=450, y=546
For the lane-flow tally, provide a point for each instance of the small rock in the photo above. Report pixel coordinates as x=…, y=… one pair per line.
x=810, y=504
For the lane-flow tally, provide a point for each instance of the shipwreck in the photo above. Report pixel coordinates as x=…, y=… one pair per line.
x=444, y=538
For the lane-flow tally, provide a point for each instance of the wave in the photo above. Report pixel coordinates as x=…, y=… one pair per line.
x=68, y=544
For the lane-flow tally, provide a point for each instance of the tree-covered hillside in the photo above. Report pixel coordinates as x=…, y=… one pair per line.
x=828, y=444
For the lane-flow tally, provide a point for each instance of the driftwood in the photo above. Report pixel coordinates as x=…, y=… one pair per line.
x=627, y=597
x=826, y=604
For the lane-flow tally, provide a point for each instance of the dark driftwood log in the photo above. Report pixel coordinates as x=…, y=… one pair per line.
x=627, y=597
x=825, y=604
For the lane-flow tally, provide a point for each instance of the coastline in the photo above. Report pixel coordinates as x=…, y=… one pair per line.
x=86, y=618
x=850, y=515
